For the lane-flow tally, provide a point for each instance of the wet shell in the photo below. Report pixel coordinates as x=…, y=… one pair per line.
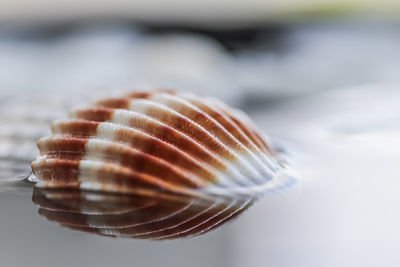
x=160, y=140
x=137, y=216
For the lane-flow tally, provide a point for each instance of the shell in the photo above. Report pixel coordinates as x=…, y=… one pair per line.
x=160, y=140
x=156, y=217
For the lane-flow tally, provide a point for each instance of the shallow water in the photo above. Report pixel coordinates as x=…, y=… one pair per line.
x=344, y=146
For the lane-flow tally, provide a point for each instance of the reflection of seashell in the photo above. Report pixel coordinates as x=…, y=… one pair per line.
x=158, y=216
x=159, y=140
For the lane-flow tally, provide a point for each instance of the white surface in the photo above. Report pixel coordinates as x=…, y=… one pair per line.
x=346, y=213
x=342, y=213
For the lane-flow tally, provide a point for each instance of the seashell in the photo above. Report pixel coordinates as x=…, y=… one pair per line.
x=160, y=140
x=157, y=217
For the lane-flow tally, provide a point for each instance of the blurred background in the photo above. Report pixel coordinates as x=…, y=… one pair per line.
x=320, y=77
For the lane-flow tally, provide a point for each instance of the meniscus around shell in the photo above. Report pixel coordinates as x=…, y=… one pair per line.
x=169, y=141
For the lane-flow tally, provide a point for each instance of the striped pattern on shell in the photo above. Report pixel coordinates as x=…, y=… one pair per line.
x=160, y=140
x=136, y=216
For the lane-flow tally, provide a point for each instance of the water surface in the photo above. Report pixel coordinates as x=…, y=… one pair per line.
x=345, y=147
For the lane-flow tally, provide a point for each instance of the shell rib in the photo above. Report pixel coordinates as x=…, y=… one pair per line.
x=160, y=140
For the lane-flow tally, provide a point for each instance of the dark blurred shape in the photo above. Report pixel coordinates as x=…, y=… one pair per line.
x=256, y=37
x=231, y=39
x=154, y=215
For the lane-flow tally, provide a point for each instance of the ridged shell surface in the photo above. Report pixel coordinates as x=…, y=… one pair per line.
x=160, y=140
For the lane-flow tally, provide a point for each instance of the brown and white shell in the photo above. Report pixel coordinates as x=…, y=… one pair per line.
x=161, y=140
